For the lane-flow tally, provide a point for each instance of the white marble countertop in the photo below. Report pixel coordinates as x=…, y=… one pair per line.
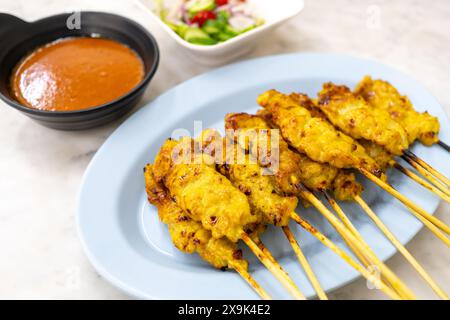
x=41, y=169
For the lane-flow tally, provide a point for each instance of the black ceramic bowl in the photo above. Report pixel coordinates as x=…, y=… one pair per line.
x=18, y=38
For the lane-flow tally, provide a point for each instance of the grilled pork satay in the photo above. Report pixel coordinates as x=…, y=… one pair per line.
x=345, y=187
x=314, y=175
x=382, y=157
x=247, y=176
x=313, y=136
x=294, y=166
x=382, y=95
x=204, y=194
x=355, y=117
x=188, y=235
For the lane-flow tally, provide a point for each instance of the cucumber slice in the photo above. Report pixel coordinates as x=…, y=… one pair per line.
x=230, y=31
x=223, y=16
x=198, y=36
x=181, y=29
x=212, y=27
x=223, y=36
x=202, y=5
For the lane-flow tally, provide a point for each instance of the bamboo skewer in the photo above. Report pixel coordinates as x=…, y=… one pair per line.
x=422, y=182
x=305, y=264
x=269, y=255
x=274, y=268
x=352, y=229
x=361, y=257
x=406, y=201
x=445, y=146
x=401, y=248
x=252, y=282
x=328, y=243
x=397, y=284
x=427, y=167
x=428, y=175
x=435, y=230
x=343, y=217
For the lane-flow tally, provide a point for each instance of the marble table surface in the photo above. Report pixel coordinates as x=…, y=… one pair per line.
x=41, y=169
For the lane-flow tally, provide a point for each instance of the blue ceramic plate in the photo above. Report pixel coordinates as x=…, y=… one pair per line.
x=129, y=247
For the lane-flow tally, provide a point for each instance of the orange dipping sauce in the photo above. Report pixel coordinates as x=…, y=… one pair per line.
x=76, y=73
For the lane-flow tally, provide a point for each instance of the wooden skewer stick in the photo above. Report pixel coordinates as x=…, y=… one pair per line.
x=351, y=228
x=429, y=168
x=305, y=264
x=427, y=223
x=435, y=230
x=269, y=255
x=361, y=257
x=355, y=232
x=406, y=201
x=396, y=283
x=328, y=243
x=266, y=251
x=428, y=175
x=444, y=145
x=273, y=268
x=252, y=282
x=401, y=248
x=422, y=182
x=307, y=267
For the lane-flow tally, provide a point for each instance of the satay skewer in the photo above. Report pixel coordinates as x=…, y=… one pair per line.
x=385, y=186
x=443, y=145
x=341, y=214
x=401, y=248
x=225, y=216
x=286, y=111
x=305, y=264
x=288, y=169
x=252, y=282
x=302, y=259
x=274, y=268
x=396, y=283
x=384, y=97
x=411, y=158
x=180, y=225
x=356, y=118
x=261, y=186
x=328, y=243
x=443, y=195
x=428, y=176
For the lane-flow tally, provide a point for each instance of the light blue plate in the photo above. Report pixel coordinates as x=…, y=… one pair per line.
x=129, y=247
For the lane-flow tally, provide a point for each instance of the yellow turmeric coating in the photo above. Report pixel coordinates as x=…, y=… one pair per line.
x=292, y=165
x=382, y=95
x=314, y=136
x=260, y=189
x=205, y=195
x=355, y=117
x=296, y=167
x=187, y=235
x=381, y=156
x=345, y=187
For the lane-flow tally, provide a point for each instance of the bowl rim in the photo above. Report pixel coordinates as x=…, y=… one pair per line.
x=141, y=85
x=218, y=46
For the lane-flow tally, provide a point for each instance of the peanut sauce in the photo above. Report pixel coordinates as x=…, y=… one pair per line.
x=76, y=73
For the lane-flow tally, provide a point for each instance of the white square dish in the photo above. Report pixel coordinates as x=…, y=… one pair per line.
x=273, y=12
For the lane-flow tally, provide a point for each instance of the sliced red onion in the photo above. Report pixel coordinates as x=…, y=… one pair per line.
x=174, y=13
x=241, y=22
